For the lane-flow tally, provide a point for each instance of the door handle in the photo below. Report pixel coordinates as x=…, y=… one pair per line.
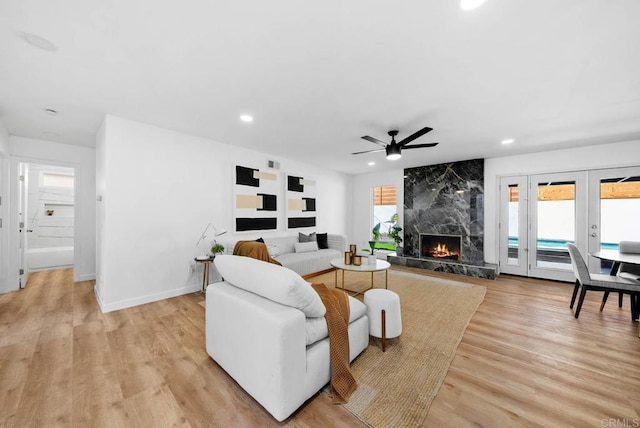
x=594, y=235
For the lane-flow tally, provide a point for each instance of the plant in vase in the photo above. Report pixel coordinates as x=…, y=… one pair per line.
x=217, y=249
x=372, y=256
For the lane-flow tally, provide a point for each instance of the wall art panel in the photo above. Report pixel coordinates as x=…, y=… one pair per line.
x=255, y=199
x=301, y=202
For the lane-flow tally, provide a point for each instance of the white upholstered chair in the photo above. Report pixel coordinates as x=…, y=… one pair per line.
x=627, y=270
x=586, y=281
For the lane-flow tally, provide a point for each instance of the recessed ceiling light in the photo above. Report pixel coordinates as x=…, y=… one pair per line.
x=507, y=141
x=470, y=4
x=246, y=118
x=371, y=163
x=39, y=42
x=51, y=111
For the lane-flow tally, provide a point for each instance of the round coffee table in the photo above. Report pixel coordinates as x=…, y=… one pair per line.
x=381, y=265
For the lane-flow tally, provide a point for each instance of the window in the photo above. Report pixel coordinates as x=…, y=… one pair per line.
x=57, y=180
x=384, y=207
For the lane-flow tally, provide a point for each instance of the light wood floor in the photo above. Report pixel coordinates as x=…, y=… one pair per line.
x=524, y=361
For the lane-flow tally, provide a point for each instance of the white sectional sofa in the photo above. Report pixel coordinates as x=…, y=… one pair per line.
x=283, y=249
x=265, y=327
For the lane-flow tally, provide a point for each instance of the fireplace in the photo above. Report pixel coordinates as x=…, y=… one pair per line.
x=444, y=247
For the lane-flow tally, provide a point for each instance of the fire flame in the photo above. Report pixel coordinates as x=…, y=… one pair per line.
x=441, y=250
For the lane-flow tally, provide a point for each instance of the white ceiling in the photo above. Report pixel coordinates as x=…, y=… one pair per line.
x=319, y=75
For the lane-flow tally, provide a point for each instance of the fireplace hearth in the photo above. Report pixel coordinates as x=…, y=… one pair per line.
x=443, y=247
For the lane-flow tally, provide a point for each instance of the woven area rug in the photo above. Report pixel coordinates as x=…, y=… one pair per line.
x=396, y=387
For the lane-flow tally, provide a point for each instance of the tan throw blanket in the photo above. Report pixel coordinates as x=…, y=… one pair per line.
x=337, y=316
x=255, y=250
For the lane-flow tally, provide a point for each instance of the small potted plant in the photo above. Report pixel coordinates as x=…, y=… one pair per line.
x=217, y=249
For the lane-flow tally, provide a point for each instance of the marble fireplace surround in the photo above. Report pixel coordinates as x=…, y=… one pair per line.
x=446, y=199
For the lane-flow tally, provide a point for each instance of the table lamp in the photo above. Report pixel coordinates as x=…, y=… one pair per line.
x=204, y=250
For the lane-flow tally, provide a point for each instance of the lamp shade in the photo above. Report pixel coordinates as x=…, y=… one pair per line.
x=202, y=244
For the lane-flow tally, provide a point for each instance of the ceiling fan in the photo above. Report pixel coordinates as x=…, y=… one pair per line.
x=394, y=149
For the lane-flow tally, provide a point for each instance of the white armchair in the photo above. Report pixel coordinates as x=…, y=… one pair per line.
x=265, y=329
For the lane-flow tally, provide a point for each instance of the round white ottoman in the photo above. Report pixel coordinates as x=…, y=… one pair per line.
x=383, y=310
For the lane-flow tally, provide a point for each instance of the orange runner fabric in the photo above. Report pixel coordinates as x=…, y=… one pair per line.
x=255, y=250
x=337, y=316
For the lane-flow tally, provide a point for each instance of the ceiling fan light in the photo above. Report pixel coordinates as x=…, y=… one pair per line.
x=393, y=152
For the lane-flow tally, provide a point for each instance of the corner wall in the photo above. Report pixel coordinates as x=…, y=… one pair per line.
x=160, y=189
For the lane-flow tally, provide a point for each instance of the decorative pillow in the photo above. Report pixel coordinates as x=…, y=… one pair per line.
x=323, y=241
x=306, y=238
x=270, y=281
x=260, y=240
x=273, y=250
x=306, y=247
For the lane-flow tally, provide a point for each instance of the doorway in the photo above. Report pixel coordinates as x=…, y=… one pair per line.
x=46, y=218
x=541, y=213
x=614, y=210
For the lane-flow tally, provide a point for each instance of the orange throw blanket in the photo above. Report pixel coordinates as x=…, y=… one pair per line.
x=337, y=303
x=255, y=250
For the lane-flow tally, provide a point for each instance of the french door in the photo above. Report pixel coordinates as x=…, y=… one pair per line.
x=513, y=227
x=539, y=214
x=614, y=211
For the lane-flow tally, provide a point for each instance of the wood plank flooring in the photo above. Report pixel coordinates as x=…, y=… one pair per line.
x=523, y=361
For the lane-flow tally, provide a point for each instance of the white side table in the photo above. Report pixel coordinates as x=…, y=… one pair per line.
x=381, y=265
x=383, y=310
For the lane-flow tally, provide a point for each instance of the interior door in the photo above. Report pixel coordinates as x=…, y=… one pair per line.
x=557, y=215
x=514, y=196
x=614, y=210
x=22, y=225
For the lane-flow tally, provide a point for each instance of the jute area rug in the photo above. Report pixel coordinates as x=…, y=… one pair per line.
x=396, y=387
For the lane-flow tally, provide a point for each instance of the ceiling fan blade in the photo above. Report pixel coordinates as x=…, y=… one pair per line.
x=374, y=140
x=368, y=151
x=419, y=146
x=413, y=136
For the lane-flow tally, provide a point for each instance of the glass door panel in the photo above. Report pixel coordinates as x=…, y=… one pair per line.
x=555, y=223
x=557, y=217
x=614, y=210
x=513, y=225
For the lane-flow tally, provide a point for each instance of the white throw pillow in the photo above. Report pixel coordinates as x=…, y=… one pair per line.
x=271, y=281
x=273, y=250
x=306, y=247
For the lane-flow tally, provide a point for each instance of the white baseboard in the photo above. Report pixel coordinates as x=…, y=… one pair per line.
x=85, y=277
x=141, y=300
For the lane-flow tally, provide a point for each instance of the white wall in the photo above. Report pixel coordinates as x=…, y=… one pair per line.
x=82, y=159
x=581, y=158
x=362, y=200
x=4, y=207
x=160, y=189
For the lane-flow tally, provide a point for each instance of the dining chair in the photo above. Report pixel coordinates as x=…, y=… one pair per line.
x=627, y=270
x=586, y=281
